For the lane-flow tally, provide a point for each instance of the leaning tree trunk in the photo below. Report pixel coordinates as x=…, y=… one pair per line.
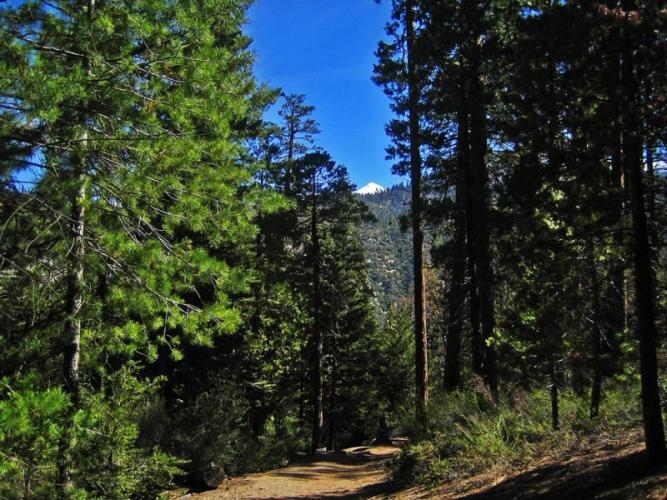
x=654, y=435
x=421, y=339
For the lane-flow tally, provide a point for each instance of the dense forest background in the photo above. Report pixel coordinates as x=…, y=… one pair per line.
x=189, y=291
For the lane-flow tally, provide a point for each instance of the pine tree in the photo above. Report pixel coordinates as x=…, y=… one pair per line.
x=142, y=156
x=654, y=434
x=402, y=82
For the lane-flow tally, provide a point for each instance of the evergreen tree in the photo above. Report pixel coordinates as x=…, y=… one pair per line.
x=402, y=82
x=141, y=159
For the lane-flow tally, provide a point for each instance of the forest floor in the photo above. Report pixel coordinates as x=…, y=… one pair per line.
x=603, y=468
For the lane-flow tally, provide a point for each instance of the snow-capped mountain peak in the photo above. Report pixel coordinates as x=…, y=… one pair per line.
x=370, y=188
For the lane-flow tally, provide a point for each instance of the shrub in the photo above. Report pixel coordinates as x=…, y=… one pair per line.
x=30, y=428
x=110, y=459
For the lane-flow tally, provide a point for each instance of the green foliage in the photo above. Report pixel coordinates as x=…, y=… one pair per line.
x=212, y=432
x=470, y=434
x=391, y=353
x=149, y=106
x=218, y=250
x=31, y=423
x=111, y=463
x=280, y=443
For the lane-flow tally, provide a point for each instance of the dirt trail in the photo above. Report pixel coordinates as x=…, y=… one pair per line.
x=352, y=473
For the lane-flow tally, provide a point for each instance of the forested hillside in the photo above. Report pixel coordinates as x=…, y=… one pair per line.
x=388, y=245
x=191, y=290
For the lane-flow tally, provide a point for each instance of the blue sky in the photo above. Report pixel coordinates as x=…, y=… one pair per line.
x=325, y=50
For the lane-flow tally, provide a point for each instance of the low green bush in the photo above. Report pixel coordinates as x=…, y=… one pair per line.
x=108, y=459
x=30, y=428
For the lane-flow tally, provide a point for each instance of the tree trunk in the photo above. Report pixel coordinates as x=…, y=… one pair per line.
x=480, y=199
x=318, y=375
x=455, y=301
x=421, y=339
x=332, y=407
x=614, y=310
x=555, y=421
x=644, y=296
x=596, y=336
x=72, y=333
x=477, y=350
x=74, y=303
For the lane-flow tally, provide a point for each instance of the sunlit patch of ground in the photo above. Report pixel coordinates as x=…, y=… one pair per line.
x=352, y=473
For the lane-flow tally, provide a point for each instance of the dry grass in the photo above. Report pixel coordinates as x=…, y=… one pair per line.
x=593, y=468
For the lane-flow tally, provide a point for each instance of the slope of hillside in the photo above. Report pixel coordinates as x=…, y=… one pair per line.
x=388, y=249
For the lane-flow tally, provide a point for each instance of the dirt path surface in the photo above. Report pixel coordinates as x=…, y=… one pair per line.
x=352, y=473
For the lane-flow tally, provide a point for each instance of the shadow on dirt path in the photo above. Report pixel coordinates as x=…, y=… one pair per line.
x=621, y=477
